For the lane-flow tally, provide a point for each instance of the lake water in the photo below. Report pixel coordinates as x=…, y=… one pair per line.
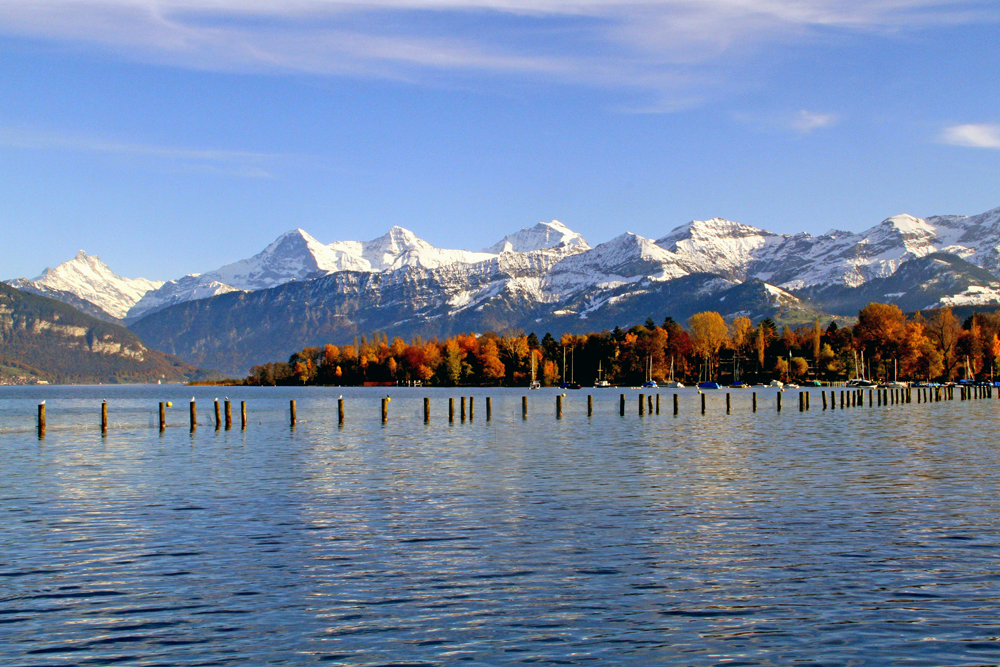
x=866, y=536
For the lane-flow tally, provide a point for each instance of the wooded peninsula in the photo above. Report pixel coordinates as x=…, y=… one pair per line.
x=885, y=342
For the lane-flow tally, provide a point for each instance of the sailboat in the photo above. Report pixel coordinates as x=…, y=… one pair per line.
x=601, y=383
x=737, y=383
x=859, y=381
x=570, y=384
x=673, y=384
x=650, y=383
x=895, y=384
x=535, y=384
x=705, y=382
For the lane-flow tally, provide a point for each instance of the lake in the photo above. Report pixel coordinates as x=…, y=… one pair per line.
x=865, y=536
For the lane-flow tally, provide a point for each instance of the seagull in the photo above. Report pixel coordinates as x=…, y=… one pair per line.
x=340, y=397
x=43, y=402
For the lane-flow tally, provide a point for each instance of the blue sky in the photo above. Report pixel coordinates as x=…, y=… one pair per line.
x=174, y=136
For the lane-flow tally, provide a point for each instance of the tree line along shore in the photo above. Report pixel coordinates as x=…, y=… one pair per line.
x=885, y=343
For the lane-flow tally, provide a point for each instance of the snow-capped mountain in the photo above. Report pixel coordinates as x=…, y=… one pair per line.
x=548, y=276
x=89, y=279
x=296, y=255
x=543, y=236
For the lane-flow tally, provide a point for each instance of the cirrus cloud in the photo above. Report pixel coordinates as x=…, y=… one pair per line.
x=972, y=135
x=659, y=45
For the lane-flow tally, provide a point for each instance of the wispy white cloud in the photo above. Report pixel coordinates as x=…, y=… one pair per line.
x=973, y=136
x=648, y=44
x=808, y=121
x=237, y=163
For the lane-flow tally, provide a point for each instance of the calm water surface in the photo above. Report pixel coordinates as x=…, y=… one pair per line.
x=846, y=537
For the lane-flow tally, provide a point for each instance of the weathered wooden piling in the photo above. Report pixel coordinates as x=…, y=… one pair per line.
x=104, y=417
x=489, y=408
x=524, y=407
x=621, y=405
x=427, y=409
x=229, y=415
x=642, y=405
x=729, y=404
x=451, y=410
x=677, y=407
x=42, y=422
x=807, y=400
x=779, y=400
x=293, y=412
x=163, y=416
x=590, y=405
x=559, y=406
x=649, y=404
x=802, y=401
x=218, y=415
x=340, y=413
x=703, y=403
x=462, y=408
x=823, y=394
x=657, y=404
x=385, y=409
x=755, y=401
x=193, y=414
x=841, y=400
x=472, y=408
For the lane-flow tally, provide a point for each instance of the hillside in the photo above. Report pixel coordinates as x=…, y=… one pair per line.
x=58, y=343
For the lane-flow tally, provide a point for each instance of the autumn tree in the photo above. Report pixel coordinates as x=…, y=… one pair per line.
x=943, y=329
x=708, y=335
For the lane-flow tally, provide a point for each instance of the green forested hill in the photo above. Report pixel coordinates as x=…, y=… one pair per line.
x=55, y=342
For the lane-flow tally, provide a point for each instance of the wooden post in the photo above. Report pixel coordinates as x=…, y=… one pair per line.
x=489, y=408
x=808, y=395
x=824, y=399
x=218, y=415
x=194, y=415
x=104, y=417
x=802, y=401
x=163, y=416
x=472, y=408
x=229, y=415
x=559, y=406
x=642, y=405
x=41, y=419
x=649, y=404
x=870, y=403
x=293, y=412
x=729, y=405
x=427, y=409
x=340, y=411
x=657, y=403
x=451, y=410
x=621, y=405
x=755, y=401
x=833, y=399
x=779, y=400
x=462, y=410
x=676, y=405
x=590, y=405
x=385, y=409
x=524, y=407
x=841, y=399
x=703, y=403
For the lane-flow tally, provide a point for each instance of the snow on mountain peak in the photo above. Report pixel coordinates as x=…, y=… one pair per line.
x=719, y=246
x=543, y=236
x=87, y=277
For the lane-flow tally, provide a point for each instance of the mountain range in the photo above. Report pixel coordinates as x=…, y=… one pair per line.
x=299, y=291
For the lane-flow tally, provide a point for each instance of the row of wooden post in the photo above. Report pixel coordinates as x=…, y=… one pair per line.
x=646, y=403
